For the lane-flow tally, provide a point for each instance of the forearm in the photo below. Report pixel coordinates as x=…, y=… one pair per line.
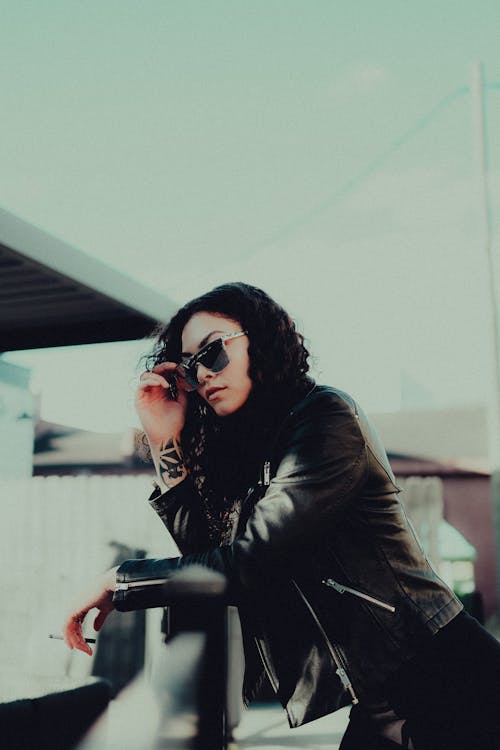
x=169, y=462
x=143, y=583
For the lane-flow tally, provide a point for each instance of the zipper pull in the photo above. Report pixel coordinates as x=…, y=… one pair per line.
x=347, y=684
x=334, y=585
x=267, y=473
x=121, y=587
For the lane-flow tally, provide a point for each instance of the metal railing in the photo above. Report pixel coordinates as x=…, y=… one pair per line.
x=183, y=705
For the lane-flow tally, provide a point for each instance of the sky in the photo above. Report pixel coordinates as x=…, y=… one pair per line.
x=325, y=151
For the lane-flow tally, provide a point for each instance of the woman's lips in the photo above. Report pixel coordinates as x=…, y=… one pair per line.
x=212, y=393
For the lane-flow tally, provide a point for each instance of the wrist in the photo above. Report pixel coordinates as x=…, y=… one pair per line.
x=110, y=579
x=158, y=444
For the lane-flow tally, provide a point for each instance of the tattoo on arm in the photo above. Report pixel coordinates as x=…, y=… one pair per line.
x=171, y=461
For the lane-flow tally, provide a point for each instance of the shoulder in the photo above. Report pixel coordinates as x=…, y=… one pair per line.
x=321, y=430
x=324, y=400
x=324, y=415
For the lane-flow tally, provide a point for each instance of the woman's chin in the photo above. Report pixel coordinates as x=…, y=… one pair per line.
x=223, y=410
x=226, y=407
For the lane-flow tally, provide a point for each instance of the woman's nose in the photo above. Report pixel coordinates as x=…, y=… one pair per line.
x=202, y=373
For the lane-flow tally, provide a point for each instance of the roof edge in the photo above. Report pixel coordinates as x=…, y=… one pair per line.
x=44, y=248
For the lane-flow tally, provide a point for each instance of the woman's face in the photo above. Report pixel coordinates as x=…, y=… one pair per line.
x=228, y=390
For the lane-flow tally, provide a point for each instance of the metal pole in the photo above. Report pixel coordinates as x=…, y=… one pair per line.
x=493, y=373
x=493, y=365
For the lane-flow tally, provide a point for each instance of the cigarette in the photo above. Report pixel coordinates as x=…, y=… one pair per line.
x=61, y=638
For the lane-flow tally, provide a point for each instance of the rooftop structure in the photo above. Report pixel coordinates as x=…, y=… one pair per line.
x=52, y=294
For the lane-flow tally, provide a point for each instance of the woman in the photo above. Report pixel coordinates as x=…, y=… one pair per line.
x=284, y=487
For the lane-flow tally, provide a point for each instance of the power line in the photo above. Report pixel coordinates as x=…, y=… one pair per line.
x=367, y=171
x=300, y=221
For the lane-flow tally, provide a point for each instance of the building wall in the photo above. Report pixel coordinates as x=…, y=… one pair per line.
x=468, y=507
x=16, y=422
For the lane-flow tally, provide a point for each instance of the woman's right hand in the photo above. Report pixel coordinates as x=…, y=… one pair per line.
x=161, y=417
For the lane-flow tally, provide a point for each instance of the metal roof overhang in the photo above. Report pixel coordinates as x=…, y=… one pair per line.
x=54, y=295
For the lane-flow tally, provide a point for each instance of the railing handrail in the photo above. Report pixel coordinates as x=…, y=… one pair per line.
x=189, y=690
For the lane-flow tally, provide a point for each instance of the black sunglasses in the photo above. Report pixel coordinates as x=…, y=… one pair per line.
x=213, y=356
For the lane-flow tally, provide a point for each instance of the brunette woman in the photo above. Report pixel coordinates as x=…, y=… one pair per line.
x=284, y=486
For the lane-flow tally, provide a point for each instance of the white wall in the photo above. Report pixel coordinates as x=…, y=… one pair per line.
x=55, y=535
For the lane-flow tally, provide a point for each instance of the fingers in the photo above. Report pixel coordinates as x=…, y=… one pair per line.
x=165, y=367
x=101, y=618
x=159, y=377
x=150, y=379
x=73, y=634
x=156, y=377
x=99, y=596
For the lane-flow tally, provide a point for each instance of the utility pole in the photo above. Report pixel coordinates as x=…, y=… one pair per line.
x=493, y=369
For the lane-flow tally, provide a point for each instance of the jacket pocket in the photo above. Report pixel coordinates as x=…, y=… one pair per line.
x=341, y=588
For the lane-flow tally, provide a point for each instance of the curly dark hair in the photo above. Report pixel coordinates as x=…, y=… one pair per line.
x=224, y=454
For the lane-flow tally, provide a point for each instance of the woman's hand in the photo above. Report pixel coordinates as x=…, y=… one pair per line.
x=99, y=595
x=161, y=416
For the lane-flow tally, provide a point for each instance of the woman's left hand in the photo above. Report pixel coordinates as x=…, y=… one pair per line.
x=99, y=595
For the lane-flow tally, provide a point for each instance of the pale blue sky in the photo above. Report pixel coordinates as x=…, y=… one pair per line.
x=188, y=143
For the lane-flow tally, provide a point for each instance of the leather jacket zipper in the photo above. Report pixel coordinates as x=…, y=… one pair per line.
x=342, y=589
x=136, y=584
x=335, y=652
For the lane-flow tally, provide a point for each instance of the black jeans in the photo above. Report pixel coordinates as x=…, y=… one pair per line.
x=449, y=695
x=361, y=734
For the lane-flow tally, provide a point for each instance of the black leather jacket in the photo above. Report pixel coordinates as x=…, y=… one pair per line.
x=334, y=589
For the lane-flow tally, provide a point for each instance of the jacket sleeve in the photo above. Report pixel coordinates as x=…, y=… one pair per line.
x=181, y=512
x=320, y=466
